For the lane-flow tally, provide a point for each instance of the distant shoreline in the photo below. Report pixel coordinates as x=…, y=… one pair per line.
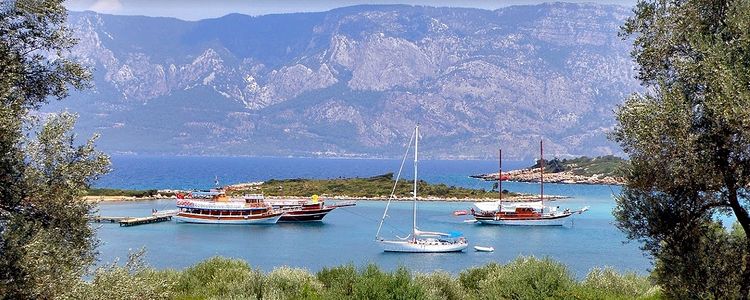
x=565, y=177
x=397, y=158
x=605, y=170
x=523, y=198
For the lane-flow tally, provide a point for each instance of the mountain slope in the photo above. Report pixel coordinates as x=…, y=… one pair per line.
x=353, y=81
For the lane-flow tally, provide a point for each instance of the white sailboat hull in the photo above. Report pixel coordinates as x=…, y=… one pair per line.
x=411, y=247
x=422, y=241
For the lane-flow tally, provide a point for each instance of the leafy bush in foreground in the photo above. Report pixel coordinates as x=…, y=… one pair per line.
x=132, y=281
x=528, y=278
x=608, y=284
x=223, y=278
x=220, y=278
x=290, y=283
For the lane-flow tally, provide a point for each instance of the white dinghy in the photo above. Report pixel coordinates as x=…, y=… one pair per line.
x=484, y=249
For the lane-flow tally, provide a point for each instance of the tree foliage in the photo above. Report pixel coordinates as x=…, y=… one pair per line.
x=224, y=278
x=45, y=242
x=688, y=138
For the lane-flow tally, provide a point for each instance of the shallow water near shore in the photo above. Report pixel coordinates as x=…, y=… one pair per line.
x=347, y=235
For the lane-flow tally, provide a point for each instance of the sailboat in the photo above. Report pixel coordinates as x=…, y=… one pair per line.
x=522, y=213
x=418, y=241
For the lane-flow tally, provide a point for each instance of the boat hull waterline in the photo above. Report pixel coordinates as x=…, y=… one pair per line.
x=233, y=220
x=411, y=247
x=547, y=221
x=305, y=216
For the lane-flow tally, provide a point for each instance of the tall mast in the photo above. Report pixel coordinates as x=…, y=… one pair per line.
x=500, y=174
x=395, y=184
x=541, y=178
x=416, y=155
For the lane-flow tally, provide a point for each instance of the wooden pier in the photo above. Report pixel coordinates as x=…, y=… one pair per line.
x=102, y=219
x=144, y=220
x=133, y=221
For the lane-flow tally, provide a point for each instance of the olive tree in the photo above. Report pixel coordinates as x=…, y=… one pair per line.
x=688, y=139
x=45, y=242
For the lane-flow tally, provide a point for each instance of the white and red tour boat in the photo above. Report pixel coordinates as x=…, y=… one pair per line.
x=304, y=210
x=533, y=213
x=214, y=207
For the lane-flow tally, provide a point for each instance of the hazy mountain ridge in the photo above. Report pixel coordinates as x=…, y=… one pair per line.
x=353, y=81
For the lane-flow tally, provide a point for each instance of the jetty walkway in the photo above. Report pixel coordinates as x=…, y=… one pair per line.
x=133, y=221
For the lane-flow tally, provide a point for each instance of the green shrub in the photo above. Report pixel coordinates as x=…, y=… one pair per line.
x=608, y=284
x=441, y=285
x=133, y=281
x=376, y=284
x=471, y=277
x=338, y=281
x=528, y=278
x=220, y=278
x=291, y=283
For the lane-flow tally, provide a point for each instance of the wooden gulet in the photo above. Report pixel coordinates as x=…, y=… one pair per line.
x=524, y=213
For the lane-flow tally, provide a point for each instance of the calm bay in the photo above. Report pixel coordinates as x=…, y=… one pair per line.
x=347, y=235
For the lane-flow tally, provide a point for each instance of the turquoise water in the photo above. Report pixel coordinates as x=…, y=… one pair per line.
x=347, y=235
x=160, y=172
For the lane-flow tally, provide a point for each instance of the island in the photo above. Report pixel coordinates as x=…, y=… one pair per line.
x=582, y=170
x=366, y=188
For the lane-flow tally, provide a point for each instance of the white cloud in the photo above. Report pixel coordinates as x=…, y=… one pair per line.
x=106, y=6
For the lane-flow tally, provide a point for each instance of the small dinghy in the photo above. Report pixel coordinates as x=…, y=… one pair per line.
x=484, y=249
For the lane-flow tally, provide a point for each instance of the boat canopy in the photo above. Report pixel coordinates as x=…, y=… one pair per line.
x=455, y=234
x=452, y=234
x=508, y=206
x=486, y=206
x=205, y=193
x=429, y=233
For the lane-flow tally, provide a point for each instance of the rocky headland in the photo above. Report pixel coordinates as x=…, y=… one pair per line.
x=583, y=170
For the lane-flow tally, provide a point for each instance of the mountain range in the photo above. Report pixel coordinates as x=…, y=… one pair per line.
x=353, y=82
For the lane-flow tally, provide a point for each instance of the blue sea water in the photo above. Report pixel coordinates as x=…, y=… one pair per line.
x=347, y=235
x=185, y=172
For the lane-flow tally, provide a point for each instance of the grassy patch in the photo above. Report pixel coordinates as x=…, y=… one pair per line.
x=372, y=187
x=608, y=165
x=125, y=193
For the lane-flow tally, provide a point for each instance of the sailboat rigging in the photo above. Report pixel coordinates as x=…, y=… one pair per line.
x=523, y=213
x=418, y=241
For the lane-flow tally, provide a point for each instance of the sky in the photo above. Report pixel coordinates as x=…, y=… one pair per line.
x=203, y=9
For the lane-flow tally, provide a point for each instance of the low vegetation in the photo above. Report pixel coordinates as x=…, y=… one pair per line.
x=371, y=187
x=223, y=278
x=608, y=165
x=125, y=193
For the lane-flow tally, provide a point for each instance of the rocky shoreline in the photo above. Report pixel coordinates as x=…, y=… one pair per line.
x=565, y=177
x=521, y=198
